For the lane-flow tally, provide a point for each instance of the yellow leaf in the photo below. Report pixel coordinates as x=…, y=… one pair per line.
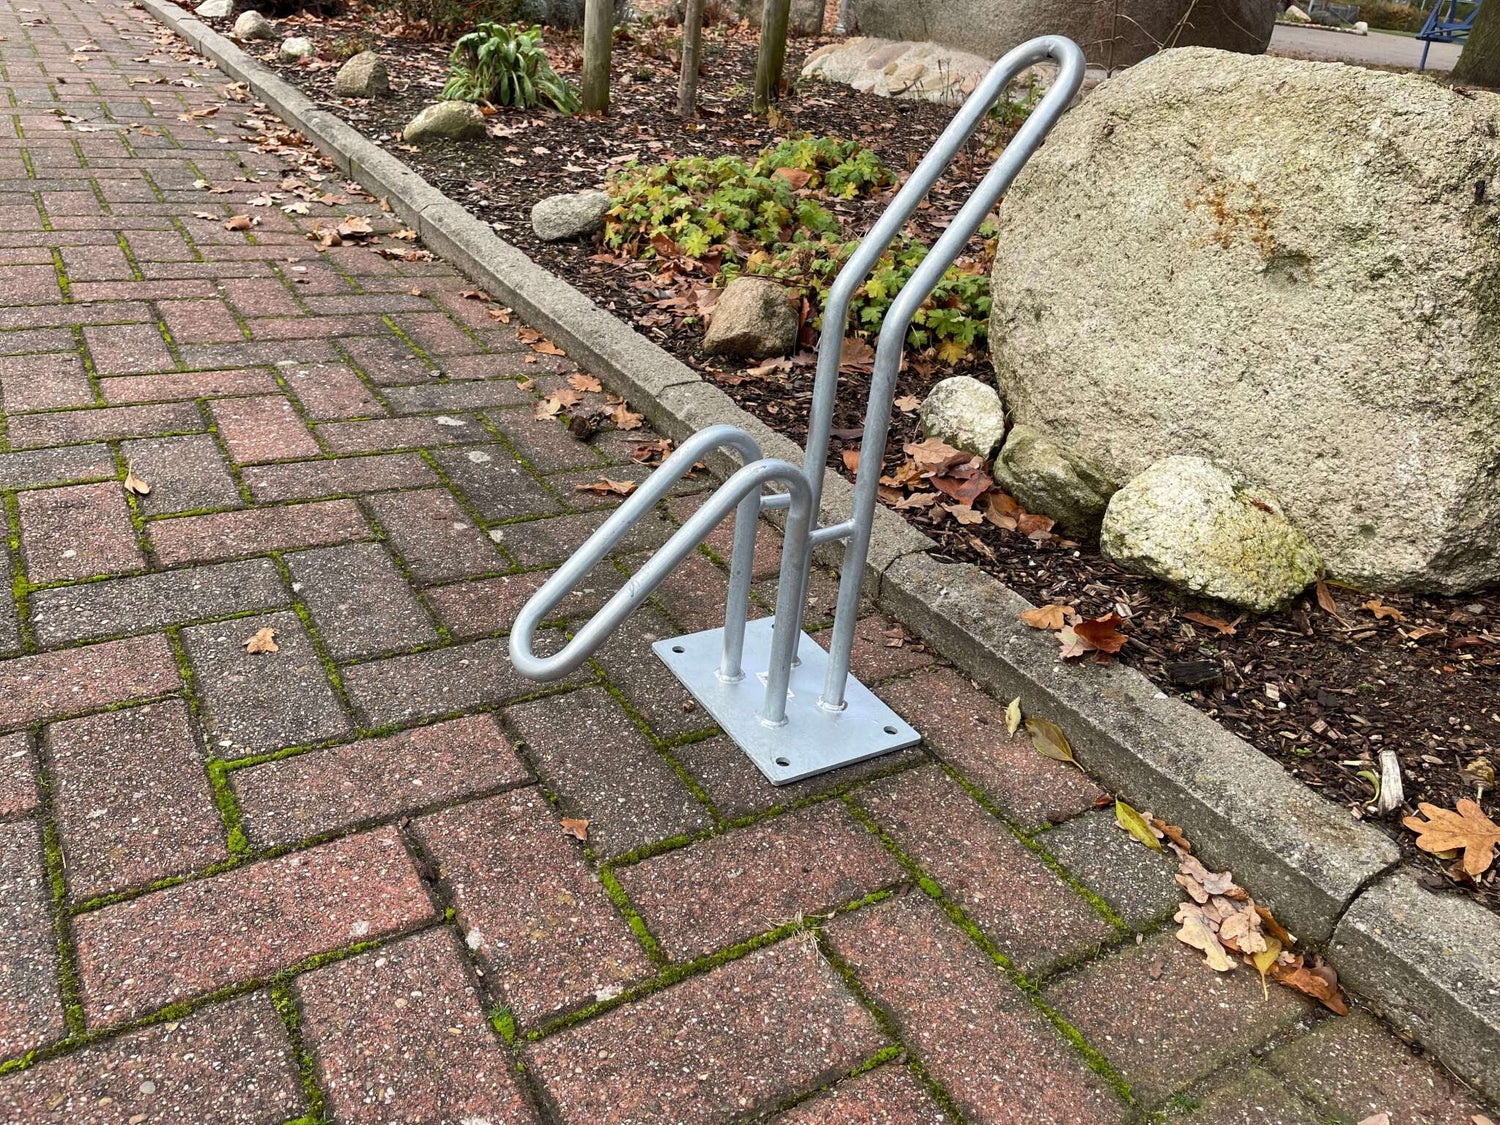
x=1050, y=742
x=1134, y=823
x=1013, y=716
x=1264, y=960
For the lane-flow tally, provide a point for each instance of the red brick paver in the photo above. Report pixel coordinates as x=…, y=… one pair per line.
x=332, y=883
x=194, y=937
x=400, y=1035
x=699, y=1052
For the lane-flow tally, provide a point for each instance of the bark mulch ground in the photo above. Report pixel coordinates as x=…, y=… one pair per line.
x=1323, y=688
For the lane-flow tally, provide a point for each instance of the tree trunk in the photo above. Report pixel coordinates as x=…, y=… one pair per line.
x=774, y=17
x=1479, y=65
x=692, y=49
x=598, y=40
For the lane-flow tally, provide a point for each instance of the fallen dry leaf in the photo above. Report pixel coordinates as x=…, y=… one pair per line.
x=1046, y=616
x=1382, y=611
x=583, y=381
x=1467, y=829
x=1325, y=599
x=1225, y=627
x=578, y=829
x=851, y=460
x=1013, y=716
x=135, y=485
x=608, y=487
x=1196, y=932
x=1136, y=824
x=1102, y=633
x=908, y=404
x=263, y=641
x=626, y=419
x=239, y=222
x=1318, y=981
x=1263, y=960
x=1050, y=742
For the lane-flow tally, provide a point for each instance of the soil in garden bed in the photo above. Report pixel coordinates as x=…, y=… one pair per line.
x=1323, y=688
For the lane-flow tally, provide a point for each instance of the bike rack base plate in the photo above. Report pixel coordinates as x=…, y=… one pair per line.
x=813, y=741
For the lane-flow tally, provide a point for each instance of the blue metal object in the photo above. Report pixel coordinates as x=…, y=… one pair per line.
x=791, y=707
x=1441, y=28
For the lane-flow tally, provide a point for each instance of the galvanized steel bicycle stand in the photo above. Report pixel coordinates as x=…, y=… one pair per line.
x=789, y=705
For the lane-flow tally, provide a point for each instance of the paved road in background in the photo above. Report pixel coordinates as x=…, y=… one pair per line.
x=1373, y=49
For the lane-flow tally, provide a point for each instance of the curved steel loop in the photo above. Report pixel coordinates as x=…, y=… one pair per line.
x=608, y=536
x=910, y=299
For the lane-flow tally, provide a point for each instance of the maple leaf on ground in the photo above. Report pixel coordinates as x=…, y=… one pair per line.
x=624, y=418
x=1466, y=829
x=856, y=355
x=1102, y=633
x=1046, y=616
x=582, y=381
x=908, y=404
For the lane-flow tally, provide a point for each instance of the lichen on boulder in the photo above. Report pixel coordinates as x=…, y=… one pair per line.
x=1193, y=525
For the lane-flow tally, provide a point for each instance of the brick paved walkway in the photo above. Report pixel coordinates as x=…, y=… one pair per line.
x=329, y=883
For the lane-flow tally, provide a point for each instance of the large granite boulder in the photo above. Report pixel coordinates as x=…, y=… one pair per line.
x=1190, y=523
x=805, y=18
x=1110, y=34
x=1288, y=267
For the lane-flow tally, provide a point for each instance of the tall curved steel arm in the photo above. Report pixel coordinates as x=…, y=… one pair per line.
x=963, y=126
x=608, y=536
x=911, y=298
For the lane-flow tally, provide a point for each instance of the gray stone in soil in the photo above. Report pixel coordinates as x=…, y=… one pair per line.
x=455, y=120
x=1193, y=525
x=1048, y=477
x=752, y=320
x=363, y=76
x=1135, y=881
x=215, y=9
x=297, y=47
x=570, y=215
x=253, y=25
x=1431, y=965
x=965, y=413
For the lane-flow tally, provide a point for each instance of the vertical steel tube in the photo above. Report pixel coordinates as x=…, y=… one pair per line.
x=898, y=319
x=737, y=604
x=787, y=630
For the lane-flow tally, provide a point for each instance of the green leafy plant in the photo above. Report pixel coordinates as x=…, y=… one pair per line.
x=845, y=167
x=953, y=321
x=692, y=205
x=506, y=65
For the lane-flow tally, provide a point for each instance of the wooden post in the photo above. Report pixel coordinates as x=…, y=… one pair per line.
x=598, y=41
x=774, y=17
x=692, y=50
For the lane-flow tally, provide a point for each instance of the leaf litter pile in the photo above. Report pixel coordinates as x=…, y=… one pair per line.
x=1325, y=686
